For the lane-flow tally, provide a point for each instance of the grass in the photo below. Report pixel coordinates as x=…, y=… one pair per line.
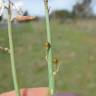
x=74, y=44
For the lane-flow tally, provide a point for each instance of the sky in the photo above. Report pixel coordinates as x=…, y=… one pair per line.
x=36, y=7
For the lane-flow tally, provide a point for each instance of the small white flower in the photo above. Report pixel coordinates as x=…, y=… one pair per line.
x=1, y=7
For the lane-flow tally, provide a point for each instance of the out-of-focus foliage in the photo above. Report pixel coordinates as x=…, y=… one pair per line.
x=26, y=13
x=62, y=14
x=83, y=9
x=80, y=9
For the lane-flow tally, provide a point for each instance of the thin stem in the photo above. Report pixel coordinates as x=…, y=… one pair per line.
x=12, y=54
x=49, y=50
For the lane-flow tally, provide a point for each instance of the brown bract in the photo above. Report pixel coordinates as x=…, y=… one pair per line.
x=47, y=45
x=55, y=61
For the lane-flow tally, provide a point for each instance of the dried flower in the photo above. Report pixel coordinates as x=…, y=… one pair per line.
x=55, y=61
x=1, y=7
x=18, y=6
x=4, y=49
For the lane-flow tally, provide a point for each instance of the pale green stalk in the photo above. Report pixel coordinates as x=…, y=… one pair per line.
x=49, y=51
x=12, y=54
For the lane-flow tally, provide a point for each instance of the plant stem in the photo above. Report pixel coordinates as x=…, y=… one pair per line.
x=12, y=54
x=49, y=51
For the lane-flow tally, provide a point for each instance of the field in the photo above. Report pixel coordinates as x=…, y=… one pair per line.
x=74, y=43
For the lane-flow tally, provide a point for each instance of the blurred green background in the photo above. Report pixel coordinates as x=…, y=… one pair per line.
x=74, y=43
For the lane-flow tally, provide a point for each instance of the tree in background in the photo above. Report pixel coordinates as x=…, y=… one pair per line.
x=26, y=13
x=83, y=9
x=61, y=14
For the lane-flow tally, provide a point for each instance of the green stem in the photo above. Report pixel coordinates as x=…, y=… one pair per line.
x=49, y=51
x=12, y=54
